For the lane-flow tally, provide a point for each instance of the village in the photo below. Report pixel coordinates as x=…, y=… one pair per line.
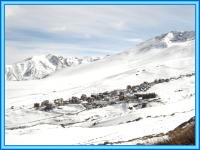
x=136, y=94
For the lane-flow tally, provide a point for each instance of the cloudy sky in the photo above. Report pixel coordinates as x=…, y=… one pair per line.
x=80, y=30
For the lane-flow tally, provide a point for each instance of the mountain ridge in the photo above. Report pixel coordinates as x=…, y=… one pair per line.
x=38, y=67
x=167, y=39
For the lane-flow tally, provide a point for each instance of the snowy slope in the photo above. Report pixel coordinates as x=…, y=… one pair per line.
x=170, y=55
x=38, y=67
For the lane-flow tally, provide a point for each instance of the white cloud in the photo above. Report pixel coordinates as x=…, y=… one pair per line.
x=136, y=40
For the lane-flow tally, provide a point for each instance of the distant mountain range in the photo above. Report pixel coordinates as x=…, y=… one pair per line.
x=38, y=67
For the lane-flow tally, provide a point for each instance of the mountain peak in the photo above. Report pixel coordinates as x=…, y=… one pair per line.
x=175, y=36
x=166, y=40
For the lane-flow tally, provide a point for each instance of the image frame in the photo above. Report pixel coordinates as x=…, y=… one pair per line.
x=114, y=2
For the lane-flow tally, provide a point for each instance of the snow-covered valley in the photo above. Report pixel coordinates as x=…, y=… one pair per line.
x=96, y=105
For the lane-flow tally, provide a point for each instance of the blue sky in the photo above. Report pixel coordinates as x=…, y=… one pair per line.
x=71, y=30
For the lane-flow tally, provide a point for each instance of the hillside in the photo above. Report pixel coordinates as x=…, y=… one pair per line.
x=130, y=96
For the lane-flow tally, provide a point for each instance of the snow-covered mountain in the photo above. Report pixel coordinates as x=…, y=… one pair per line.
x=38, y=67
x=114, y=113
x=167, y=39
